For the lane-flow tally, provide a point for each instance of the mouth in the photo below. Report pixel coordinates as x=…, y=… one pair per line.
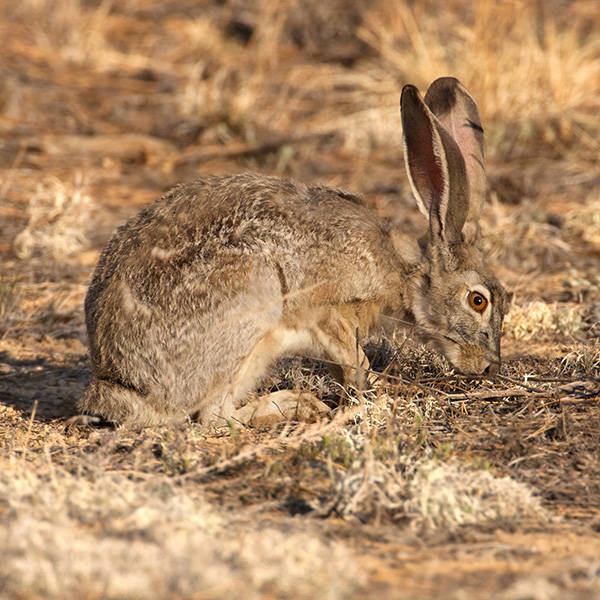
x=492, y=369
x=469, y=359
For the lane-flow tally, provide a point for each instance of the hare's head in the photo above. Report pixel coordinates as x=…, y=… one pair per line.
x=457, y=302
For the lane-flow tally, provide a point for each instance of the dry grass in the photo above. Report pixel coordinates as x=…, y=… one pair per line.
x=146, y=538
x=450, y=496
x=430, y=485
x=9, y=302
x=585, y=223
x=58, y=218
x=433, y=495
x=536, y=78
x=584, y=359
x=538, y=318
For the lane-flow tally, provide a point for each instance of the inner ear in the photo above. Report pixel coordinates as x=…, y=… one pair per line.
x=425, y=165
x=425, y=159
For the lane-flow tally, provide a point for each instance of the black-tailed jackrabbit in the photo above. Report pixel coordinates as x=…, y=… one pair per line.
x=195, y=297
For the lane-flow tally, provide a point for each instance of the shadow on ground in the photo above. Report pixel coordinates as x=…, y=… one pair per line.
x=51, y=389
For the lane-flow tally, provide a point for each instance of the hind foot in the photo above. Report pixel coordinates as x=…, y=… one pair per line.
x=284, y=405
x=85, y=421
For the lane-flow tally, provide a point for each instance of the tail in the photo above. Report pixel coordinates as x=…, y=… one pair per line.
x=123, y=406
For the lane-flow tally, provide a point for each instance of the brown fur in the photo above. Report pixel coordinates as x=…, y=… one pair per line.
x=195, y=297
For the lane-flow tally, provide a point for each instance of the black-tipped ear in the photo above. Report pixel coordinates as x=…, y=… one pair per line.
x=435, y=168
x=456, y=110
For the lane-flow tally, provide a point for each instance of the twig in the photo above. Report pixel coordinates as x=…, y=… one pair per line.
x=203, y=154
x=568, y=400
x=559, y=379
x=516, y=461
x=545, y=427
x=512, y=392
x=519, y=383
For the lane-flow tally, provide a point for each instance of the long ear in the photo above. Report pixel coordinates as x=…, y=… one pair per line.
x=435, y=167
x=455, y=108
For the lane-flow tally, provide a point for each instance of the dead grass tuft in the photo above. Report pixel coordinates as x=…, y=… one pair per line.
x=433, y=495
x=58, y=217
x=448, y=496
x=584, y=360
x=72, y=32
x=533, y=588
x=585, y=223
x=539, y=318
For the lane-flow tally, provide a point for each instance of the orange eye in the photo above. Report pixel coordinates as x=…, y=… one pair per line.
x=477, y=301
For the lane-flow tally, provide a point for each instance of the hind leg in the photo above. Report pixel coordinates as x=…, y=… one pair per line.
x=120, y=405
x=271, y=408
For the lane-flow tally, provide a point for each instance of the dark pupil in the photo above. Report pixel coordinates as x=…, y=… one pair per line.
x=477, y=300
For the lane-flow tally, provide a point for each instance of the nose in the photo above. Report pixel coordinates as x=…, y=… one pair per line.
x=492, y=369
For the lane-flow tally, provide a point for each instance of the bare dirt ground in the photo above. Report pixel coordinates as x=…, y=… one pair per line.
x=438, y=486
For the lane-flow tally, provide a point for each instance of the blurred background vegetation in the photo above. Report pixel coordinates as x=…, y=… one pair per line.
x=223, y=69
